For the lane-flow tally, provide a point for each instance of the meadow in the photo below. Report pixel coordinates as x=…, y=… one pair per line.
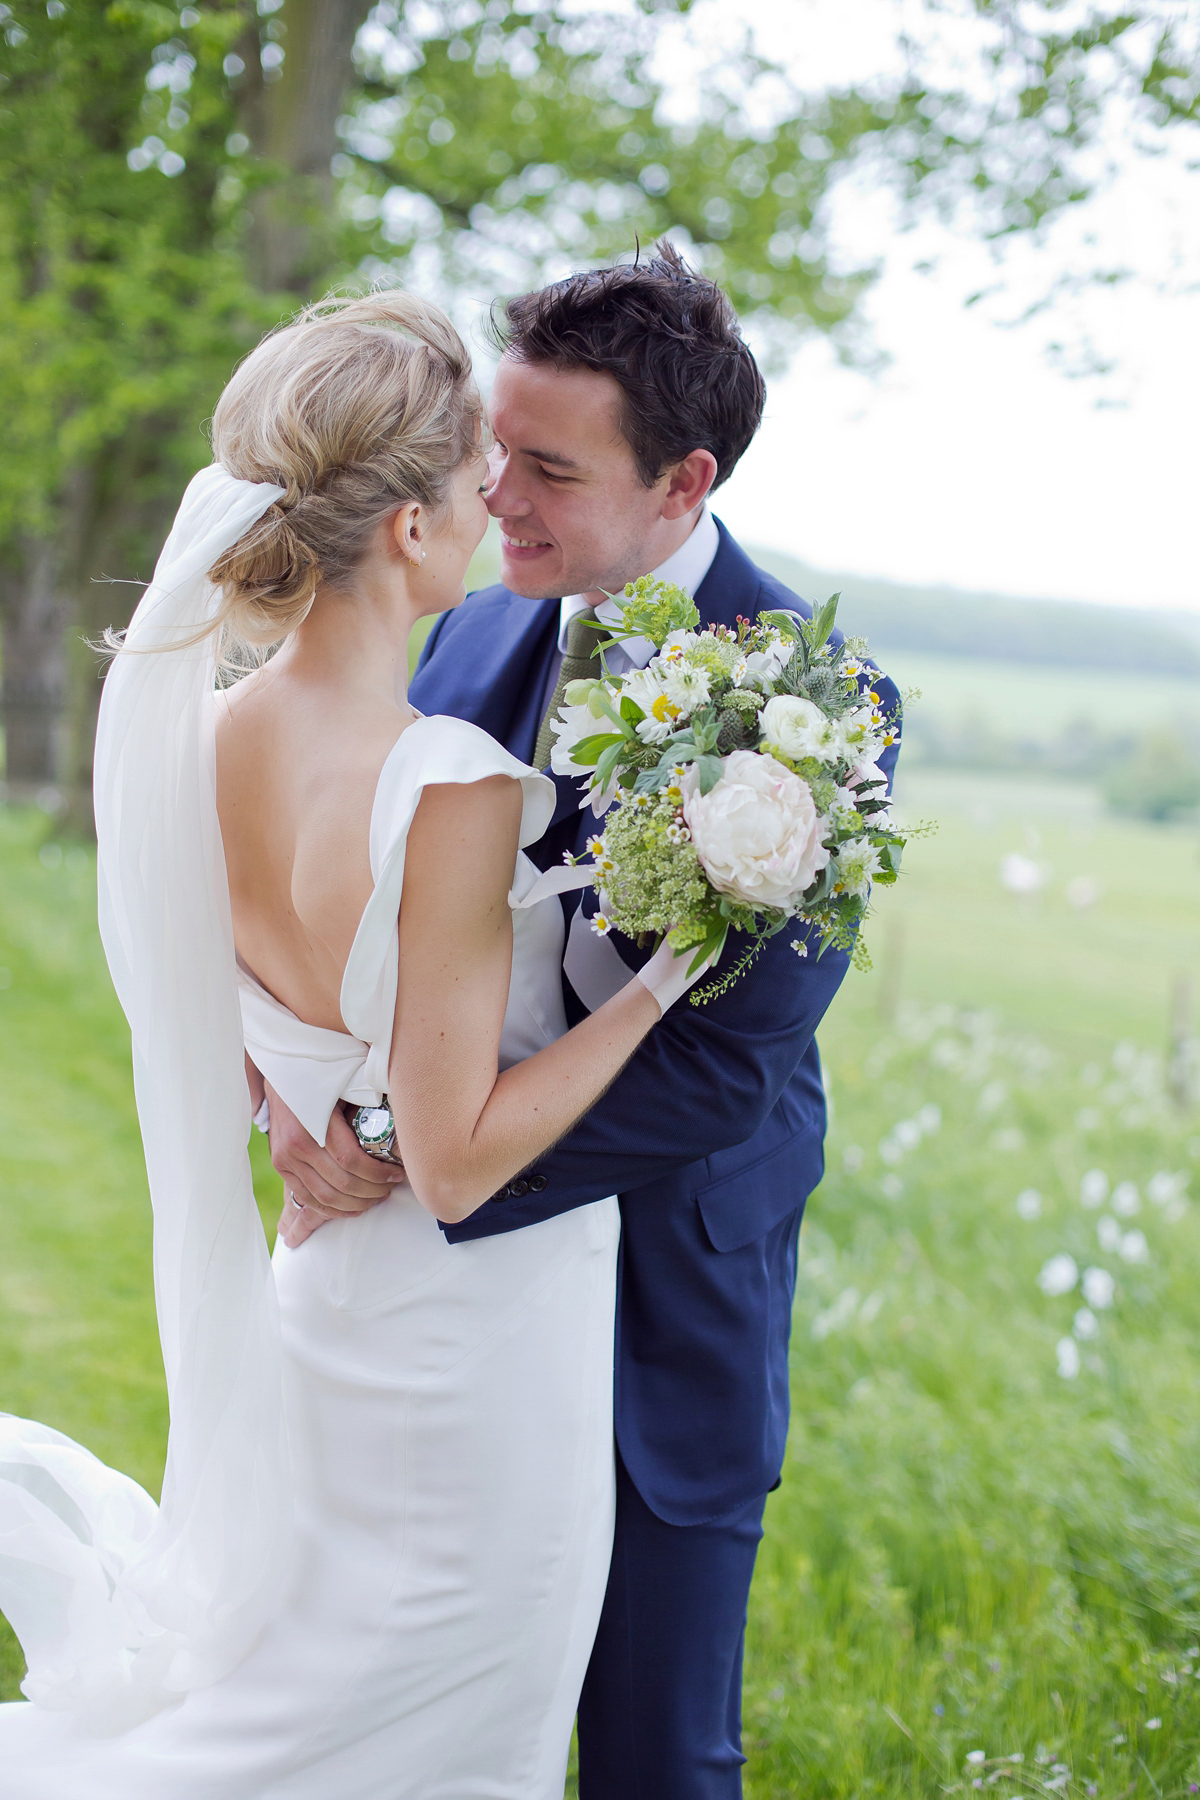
x=982, y=1570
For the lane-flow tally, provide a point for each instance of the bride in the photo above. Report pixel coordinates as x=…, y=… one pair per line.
x=385, y=1525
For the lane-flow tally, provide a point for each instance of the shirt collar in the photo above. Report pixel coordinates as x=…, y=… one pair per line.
x=685, y=568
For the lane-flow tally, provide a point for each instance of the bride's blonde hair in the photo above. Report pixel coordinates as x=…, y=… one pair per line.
x=354, y=407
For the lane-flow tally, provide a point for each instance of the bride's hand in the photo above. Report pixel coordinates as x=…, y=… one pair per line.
x=667, y=976
x=335, y=1181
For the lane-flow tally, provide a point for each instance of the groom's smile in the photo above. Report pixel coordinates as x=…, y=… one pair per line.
x=575, y=514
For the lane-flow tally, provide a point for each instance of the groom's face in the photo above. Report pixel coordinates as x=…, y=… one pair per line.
x=574, y=513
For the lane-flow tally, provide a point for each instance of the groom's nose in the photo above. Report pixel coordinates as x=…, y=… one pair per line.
x=503, y=501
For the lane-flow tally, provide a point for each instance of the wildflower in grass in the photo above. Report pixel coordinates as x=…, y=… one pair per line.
x=930, y=1118
x=1059, y=1275
x=1126, y=1202
x=1067, y=1351
x=1133, y=1247
x=852, y=1159
x=1098, y=1288
x=891, y=1187
x=1108, y=1234
x=1093, y=1189
x=1153, y=1724
x=976, y=1756
x=1086, y=1324
x=1029, y=1204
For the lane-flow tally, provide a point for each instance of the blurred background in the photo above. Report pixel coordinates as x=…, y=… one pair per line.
x=962, y=236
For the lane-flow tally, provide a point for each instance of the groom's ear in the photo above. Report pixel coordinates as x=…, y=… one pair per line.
x=688, y=483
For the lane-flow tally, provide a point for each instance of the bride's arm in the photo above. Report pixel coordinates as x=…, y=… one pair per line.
x=462, y=1128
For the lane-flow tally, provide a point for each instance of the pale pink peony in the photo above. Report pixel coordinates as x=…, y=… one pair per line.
x=757, y=832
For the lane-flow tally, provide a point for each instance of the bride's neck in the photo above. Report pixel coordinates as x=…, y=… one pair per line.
x=355, y=642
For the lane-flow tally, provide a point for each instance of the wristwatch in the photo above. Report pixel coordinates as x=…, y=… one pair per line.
x=375, y=1129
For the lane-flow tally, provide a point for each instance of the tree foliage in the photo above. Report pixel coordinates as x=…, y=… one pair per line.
x=173, y=180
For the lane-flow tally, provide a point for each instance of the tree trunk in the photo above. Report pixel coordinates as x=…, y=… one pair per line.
x=290, y=115
x=34, y=614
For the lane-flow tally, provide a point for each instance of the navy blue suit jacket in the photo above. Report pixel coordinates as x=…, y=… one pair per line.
x=712, y=1135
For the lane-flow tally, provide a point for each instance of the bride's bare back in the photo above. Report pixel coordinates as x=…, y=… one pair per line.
x=296, y=776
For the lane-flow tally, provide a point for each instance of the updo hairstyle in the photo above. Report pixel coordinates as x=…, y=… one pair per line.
x=355, y=407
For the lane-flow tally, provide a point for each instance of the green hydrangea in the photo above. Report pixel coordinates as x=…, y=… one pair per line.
x=656, y=880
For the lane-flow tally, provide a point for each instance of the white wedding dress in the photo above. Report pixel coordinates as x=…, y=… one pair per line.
x=447, y=1436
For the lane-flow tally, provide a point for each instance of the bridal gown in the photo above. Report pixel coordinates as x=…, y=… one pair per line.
x=449, y=1415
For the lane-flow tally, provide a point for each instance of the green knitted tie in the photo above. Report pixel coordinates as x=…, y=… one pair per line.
x=578, y=663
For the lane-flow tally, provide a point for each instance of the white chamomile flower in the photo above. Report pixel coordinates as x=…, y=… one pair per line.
x=640, y=802
x=600, y=925
x=856, y=733
x=595, y=846
x=687, y=686
x=677, y=833
x=800, y=948
x=856, y=863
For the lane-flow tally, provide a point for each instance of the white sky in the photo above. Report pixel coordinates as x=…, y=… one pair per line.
x=971, y=460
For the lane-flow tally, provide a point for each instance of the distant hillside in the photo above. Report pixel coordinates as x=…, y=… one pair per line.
x=948, y=622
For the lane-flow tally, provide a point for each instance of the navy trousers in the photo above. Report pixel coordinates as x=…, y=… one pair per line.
x=660, y=1716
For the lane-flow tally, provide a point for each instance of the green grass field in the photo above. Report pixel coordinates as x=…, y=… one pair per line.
x=1035, y=702
x=979, y=1571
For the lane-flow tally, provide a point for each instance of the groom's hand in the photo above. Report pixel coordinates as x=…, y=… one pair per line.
x=334, y=1181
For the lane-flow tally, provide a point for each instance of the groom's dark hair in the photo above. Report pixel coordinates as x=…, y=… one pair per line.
x=670, y=340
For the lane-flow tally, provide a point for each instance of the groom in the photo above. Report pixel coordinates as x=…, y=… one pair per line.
x=623, y=397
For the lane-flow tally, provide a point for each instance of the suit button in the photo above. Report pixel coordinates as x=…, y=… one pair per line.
x=518, y=1188
x=538, y=1184
x=501, y=1194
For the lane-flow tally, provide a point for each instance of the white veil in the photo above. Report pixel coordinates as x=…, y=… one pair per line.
x=121, y=1606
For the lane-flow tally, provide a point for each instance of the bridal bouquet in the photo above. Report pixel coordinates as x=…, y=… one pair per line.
x=738, y=778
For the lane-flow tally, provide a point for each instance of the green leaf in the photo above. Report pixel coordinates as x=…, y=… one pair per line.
x=823, y=622
x=610, y=712
x=712, y=946
x=786, y=622
x=608, y=761
x=710, y=769
x=587, y=750
x=631, y=710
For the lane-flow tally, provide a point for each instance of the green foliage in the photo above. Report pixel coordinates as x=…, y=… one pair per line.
x=972, y=1554
x=122, y=308
x=654, y=609
x=1158, y=780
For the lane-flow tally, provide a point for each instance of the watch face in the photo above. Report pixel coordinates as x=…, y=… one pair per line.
x=375, y=1129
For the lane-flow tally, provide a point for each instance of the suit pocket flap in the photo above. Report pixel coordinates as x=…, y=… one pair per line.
x=745, y=1206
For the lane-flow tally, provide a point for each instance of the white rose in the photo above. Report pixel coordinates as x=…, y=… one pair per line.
x=756, y=832
x=798, y=728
